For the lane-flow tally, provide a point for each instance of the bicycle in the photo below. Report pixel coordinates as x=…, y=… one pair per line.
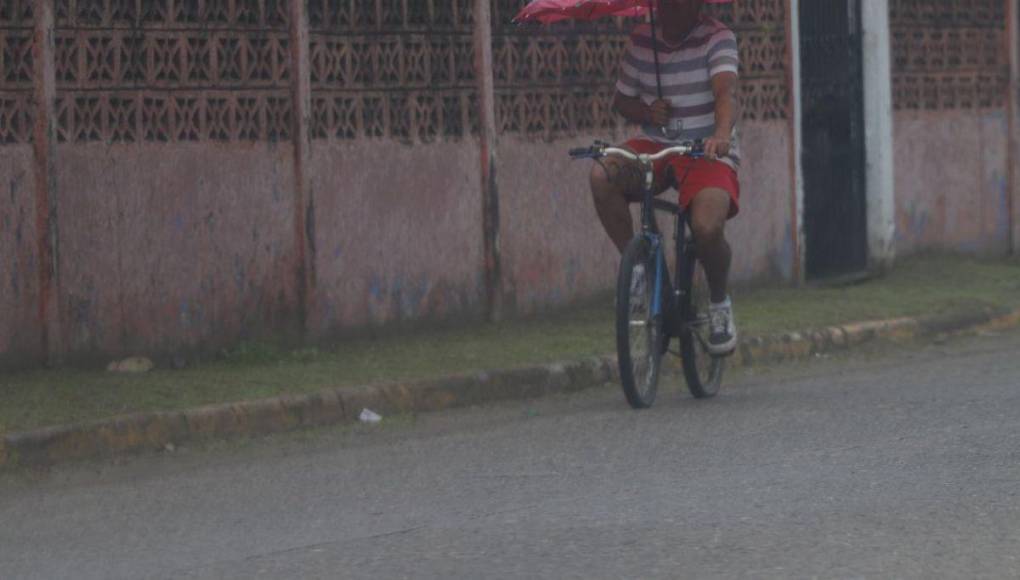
x=651, y=315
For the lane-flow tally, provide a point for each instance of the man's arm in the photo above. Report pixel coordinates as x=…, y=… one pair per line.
x=636, y=111
x=724, y=88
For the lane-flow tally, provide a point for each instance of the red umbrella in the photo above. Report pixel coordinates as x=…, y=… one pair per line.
x=549, y=11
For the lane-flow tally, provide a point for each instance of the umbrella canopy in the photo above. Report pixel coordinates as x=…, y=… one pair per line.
x=549, y=11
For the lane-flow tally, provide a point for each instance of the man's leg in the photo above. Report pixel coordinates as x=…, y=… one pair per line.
x=709, y=211
x=611, y=182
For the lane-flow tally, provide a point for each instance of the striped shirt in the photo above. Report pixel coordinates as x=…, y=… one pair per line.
x=685, y=72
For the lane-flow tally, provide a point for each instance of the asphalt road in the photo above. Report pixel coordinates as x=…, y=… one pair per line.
x=903, y=463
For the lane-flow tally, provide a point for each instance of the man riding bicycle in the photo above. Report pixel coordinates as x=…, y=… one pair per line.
x=689, y=94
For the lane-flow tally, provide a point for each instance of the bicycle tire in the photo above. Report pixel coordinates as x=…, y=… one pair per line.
x=639, y=368
x=702, y=371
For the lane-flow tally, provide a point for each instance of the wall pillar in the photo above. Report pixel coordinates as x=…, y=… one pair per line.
x=490, y=192
x=304, y=200
x=1013, y=104
x=44, y=151
x=794, y=116
x=878, y=134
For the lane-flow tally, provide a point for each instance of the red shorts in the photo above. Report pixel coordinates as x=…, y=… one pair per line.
x=693, y=175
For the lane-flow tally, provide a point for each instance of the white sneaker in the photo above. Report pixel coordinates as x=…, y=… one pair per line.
x=722, y=338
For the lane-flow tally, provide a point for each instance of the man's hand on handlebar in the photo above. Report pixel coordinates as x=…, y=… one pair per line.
x=717, y=146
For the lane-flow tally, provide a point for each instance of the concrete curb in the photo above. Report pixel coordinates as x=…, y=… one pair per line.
x=152, y=431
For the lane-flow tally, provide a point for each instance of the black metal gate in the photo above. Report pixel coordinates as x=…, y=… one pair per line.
x=832, y=98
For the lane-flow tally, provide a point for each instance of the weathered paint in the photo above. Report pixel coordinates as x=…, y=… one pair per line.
x=488, y=183
x=20, y=328
x=189, y=245
x=399, y=233
x=951, y=185
x=176, y=247
x=555, y=250
x=43, y=163
x=303, y=195
x=1013, y=104
x=761, y=234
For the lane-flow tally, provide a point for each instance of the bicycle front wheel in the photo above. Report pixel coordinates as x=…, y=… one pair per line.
x=639, y=334
x=702, y=371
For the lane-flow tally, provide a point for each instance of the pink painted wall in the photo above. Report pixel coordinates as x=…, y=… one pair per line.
x=167, y=247
x=170, y=247
x=191, y=246
x=554, y=248
x=397, y=233
x=951, y=181
x=762, y=235
x=20, y=329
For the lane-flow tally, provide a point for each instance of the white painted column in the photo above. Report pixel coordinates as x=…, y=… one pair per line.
x=878, y=134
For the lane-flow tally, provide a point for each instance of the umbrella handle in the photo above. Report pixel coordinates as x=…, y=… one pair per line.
x=655, y=48
x=655, y=54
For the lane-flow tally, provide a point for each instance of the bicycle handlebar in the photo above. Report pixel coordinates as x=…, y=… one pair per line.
x=600, y=150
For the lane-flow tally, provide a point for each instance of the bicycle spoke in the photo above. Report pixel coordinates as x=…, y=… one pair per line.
x=703, y=371
x=637, y=329
x=701, y=339
x=641, y=330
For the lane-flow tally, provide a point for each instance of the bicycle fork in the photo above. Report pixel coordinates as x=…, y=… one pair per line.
x=660, y=268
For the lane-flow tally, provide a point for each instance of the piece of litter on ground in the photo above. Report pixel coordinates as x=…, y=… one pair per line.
x=369, y=416
x=134, y=364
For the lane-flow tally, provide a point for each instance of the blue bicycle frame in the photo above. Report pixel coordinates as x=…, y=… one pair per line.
x=680, y=284
x=673, y=320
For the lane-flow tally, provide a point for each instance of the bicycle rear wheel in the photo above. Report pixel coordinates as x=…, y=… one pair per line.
x=702, y=371
x=639, y=334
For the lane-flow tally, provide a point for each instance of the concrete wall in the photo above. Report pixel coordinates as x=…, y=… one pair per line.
x=397, y=233
x=951, y=181
x=763, y=235
x=166, y=248
x=20, y=328
x=175, y=232
x=553, y=247
x=397, y=230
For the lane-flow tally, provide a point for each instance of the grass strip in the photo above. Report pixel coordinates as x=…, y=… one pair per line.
x=918, y=286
